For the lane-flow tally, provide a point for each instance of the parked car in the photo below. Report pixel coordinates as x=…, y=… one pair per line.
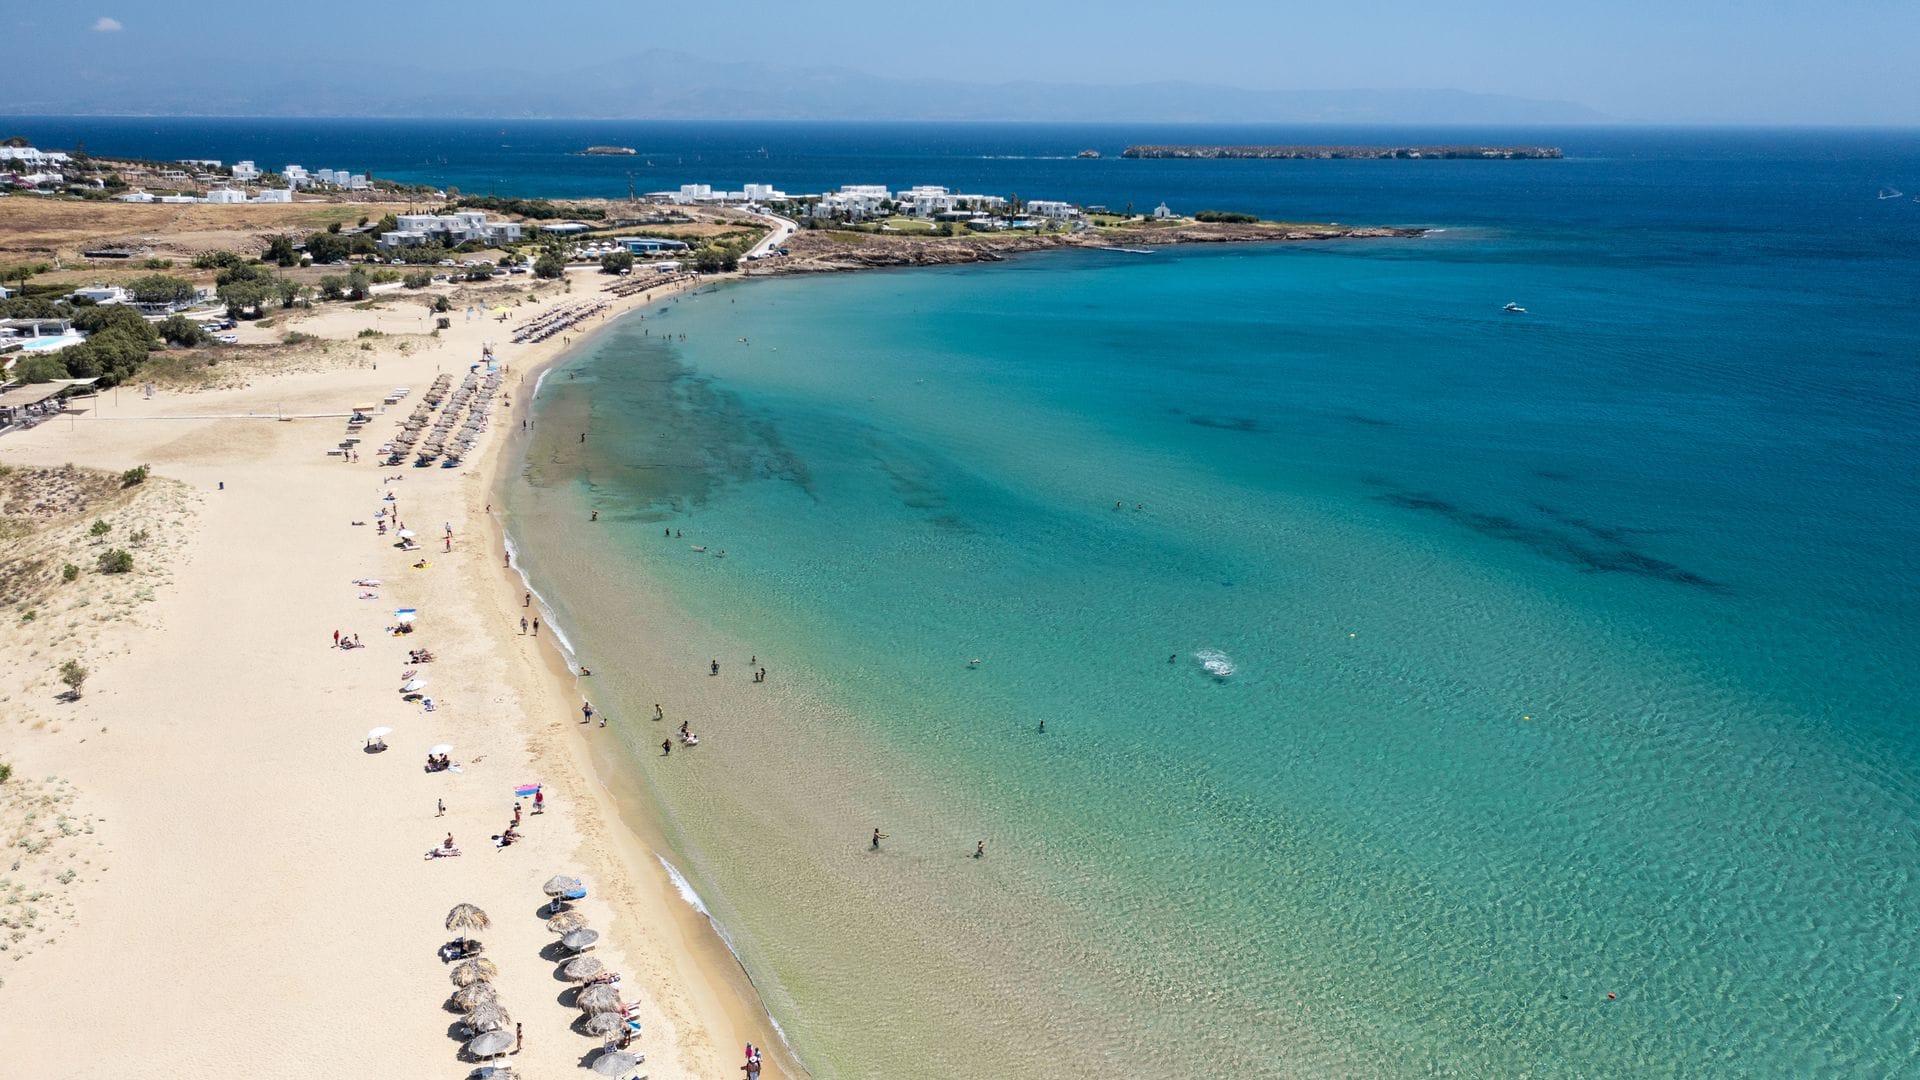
x=227, y=339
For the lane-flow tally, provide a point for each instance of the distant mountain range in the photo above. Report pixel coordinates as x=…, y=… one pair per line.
x=665, y=85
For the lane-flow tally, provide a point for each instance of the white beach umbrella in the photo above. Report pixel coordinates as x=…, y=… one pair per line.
x=441, y=749
x=412, y=685
x=406, y=534
x=379, y=734
x=405, y=615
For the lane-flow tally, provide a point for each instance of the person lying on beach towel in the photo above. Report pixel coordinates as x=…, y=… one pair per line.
x=442, y=852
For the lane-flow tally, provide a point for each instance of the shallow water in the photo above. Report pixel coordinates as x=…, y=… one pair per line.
x=1572, y=651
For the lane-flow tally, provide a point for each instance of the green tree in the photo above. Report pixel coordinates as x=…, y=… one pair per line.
x=40, y=369
x=160, y=289
x=549, y=266
x=180, y=330
x=333, y=286
x=280, y=251
x=614, y=262
x=75, y=676
x=418, y=279
x=217, y=260
x=327, y=247
x=357, y=283
x=242, y=297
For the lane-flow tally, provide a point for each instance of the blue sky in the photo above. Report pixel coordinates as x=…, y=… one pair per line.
x=1763, y=61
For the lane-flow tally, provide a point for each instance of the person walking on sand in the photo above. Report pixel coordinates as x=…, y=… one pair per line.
x=336, y=639
x=536, y=626
x=440, y=808
x=523, y=625
x=877, y=837
x=539, y=801
x=516, y=813
x=518, y=1033
x=527, y=600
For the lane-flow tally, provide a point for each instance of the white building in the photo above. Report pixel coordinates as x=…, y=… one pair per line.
x=1053, y=210
x=1161, y=213
x=29, y=158
x=135, y=197
x=102, y=294
x=296, y=176
x=358, y=182
x=413, y=230
x=245, y=170
x=273, y=195
x=226, y=196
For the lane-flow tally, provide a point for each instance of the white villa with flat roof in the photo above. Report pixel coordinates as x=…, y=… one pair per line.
x=413, y=230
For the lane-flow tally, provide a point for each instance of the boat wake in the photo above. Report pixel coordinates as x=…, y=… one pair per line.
x=1214, y=662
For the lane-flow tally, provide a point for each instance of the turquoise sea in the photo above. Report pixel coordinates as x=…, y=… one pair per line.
x=1571, y=728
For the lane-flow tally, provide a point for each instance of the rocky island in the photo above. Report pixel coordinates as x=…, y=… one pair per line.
x=1491, y=153
x=609, y=150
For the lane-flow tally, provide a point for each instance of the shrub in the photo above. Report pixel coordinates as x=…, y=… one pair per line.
x=140, y=536
x=160, y=289
x=217, y=260
x=1224, y=217
x=116, y=561
x=158, y=264
x=180, y=330
x=419, y=279
x=74, y=675
x=133, y=476
x=69, y=572
x=100, y=527
x=6, y=772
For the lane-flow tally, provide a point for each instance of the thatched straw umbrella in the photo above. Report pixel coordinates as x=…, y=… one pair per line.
x=491, y=1044
x=559, y=884
x=474, y=995
x=582, y=968
x=479, y=969
x=613, y=1063
x=489, y=1017
x=580, y=940
x=566, y=922
x=603, y=1024
x=467, y=917
x=600, y=997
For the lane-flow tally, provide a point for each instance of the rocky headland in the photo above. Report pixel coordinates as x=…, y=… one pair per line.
x=831, y=250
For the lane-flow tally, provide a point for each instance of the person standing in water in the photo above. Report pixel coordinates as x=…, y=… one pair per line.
x=877, y=837
x=666, y=747
x=980, y=850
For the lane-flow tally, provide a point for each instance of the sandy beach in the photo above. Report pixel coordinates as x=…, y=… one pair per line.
x=248, y=891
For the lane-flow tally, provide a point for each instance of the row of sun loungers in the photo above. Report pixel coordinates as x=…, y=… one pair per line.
x=553, y=322
x=632, y=285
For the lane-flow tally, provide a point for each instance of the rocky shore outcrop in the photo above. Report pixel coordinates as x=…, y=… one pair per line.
x=826, y=250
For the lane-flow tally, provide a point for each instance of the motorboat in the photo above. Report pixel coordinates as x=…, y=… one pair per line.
x=1514, y=309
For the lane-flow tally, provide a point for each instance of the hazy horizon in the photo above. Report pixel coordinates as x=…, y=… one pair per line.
x=1479, y=61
